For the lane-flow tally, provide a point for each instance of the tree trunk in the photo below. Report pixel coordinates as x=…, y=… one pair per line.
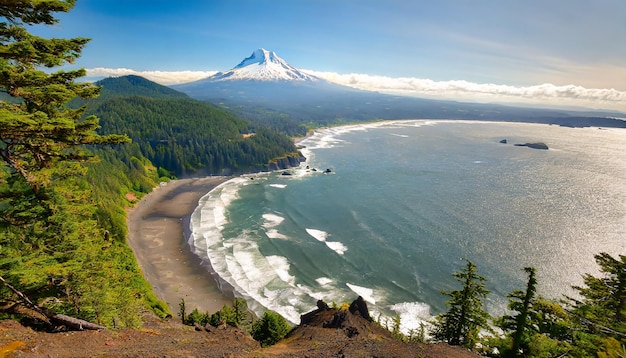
x=75, y=323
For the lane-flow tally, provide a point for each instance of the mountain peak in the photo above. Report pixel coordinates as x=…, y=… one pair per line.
x=263, y=65
x=259, y=56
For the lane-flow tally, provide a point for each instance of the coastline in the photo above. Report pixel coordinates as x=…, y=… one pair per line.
x=158, y=228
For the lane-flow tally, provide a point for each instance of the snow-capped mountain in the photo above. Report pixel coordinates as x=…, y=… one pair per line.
x=262, y=78
x=264, y=87
x=263, y=65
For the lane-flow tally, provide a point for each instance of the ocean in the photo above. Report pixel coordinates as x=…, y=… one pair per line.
x=404, y=203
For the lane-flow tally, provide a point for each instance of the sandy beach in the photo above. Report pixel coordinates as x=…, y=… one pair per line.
x=156, y=234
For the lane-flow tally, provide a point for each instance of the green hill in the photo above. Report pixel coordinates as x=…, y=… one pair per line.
x=181, y=135
x=135, y=86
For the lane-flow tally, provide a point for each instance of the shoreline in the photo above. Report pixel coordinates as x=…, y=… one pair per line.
x=158, y=229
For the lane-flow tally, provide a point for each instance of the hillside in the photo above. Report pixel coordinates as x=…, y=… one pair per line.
x=135, y=86
x=182, y=135
x=327, y=332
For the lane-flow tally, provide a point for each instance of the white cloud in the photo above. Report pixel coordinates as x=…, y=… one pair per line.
x=162, y=77
x=544, y=94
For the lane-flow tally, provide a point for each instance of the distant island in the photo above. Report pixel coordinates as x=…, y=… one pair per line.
x=538, y=145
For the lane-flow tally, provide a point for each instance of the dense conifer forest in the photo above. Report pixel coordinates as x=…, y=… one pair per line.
x=181, y=135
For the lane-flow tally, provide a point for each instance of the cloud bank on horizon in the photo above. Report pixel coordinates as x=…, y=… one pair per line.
x=544, y=94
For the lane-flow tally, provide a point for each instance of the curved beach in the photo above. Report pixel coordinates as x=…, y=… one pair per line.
x=157, y=229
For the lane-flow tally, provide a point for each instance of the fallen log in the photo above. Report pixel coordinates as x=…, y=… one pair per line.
x=59, y=319
x=75, y=323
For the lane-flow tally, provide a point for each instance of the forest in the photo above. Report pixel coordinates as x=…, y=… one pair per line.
x=181, y=135
x=73, y=162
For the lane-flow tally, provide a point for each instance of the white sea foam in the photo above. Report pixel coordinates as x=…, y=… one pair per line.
x=274, y=234
x=320, y=235
x=399, y=135
x=317, y=234
x=328, y=137
x=317, y=295
x=279, y=186
x=264, y=281
x=337, y=247
x=366, y=293
x=281, y=266
x=412, y=316
x=323, y=281
x=272, y=220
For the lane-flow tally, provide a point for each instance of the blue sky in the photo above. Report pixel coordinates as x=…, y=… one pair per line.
x=558, y=48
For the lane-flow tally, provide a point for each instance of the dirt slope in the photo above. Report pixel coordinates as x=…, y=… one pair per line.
x=325, y=332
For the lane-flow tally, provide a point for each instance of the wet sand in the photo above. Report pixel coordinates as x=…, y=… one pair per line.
x=157, y=227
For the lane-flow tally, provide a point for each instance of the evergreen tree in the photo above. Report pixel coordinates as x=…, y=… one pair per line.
x=520, y=325
x=600, y=312
x=52, y=245
x=37, y=128
x=604, y=298
x=466, y=316
x=240, y=311
x=270, y=329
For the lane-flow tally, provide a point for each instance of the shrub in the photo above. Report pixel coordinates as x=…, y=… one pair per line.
x=270, y=329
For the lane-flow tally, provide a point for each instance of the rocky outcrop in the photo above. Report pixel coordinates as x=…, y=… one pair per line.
x=538, y=145
x=359, y=307
x=286, y=162
x=346, y=332
x=352, y=320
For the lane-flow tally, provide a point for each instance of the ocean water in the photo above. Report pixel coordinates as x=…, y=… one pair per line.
x=407, y=201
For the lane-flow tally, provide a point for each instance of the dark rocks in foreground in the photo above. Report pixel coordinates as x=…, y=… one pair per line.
x=537, y=145
x=347, y=320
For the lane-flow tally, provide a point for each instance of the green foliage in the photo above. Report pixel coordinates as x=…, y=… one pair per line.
x=519, y=327
x=196, y=317
x=183, y=135
x=288, y=124
x=395, y=327
x=604, y=298
x=135, y=86
x=68, y=262
x=40, y=129
x=223, y=316
x=119, y=172
x=270, y=329
x=599, y=314
x=240, y=312
x=56, y=242
x=466, y=316
x=182, y=311
x=235, y=316
x=417, y=336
